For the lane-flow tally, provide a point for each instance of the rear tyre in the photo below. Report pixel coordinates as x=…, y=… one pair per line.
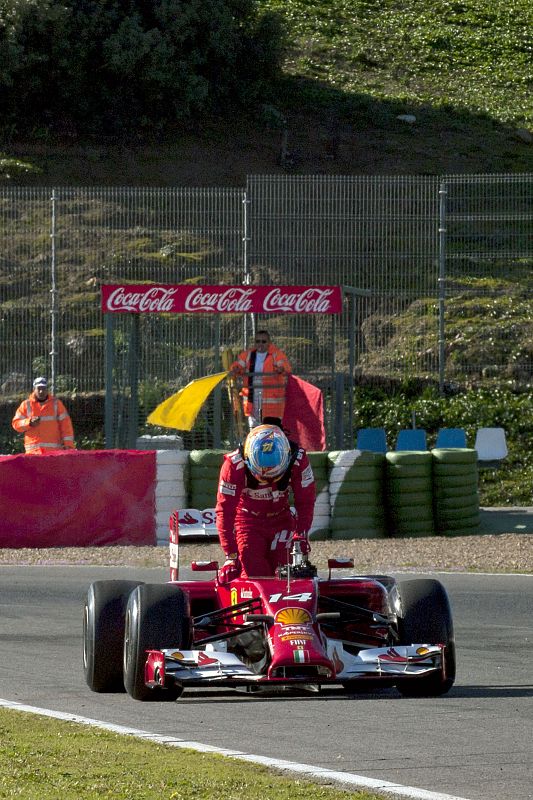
x=103, y=634
x=157, y=616
x=426, y=617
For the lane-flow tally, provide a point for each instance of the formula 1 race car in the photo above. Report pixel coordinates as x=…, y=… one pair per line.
x=292, y=630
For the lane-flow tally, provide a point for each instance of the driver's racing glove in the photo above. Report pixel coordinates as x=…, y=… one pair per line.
x=303, y=541
x=230, y=569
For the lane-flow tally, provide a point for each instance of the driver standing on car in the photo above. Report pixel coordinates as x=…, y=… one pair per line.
x=254, y=521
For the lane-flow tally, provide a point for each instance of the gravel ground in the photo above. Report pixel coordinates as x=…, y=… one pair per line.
x=504, y=552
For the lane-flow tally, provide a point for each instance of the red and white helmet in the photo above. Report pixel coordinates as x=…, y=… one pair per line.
x=267, y=452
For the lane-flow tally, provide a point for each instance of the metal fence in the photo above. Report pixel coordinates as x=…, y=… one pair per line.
x=436, y=270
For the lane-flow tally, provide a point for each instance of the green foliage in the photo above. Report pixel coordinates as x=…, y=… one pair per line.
x=474, y=55
x=509, y=484
x=108, y=67
x=12, y=167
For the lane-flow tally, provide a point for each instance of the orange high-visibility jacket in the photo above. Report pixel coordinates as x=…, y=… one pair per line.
x=272, y=385
x=54, y=431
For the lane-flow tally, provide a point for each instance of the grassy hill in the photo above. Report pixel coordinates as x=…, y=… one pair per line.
x=462, y=70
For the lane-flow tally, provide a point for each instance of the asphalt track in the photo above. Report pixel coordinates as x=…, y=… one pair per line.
x=474, y=743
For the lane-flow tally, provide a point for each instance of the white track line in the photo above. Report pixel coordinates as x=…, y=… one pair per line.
x=347, y=779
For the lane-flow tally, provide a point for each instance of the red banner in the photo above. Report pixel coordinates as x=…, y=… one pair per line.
x=78, y=499
x=187, y=299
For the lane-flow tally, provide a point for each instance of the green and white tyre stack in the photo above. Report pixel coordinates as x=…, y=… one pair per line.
x=409, y=493
x=204, y=469
x=356, y=494
x=320, y=529
x=455, y=490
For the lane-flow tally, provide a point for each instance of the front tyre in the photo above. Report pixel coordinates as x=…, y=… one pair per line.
x=426, y=617
x=103, y=634
x=157, y=616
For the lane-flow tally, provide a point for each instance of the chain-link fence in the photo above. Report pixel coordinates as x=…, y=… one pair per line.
x=436, y=270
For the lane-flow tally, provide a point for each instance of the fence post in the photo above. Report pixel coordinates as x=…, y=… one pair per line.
x=339, y=410
x=217, y=394
x=133, y=364
x=53, y=293
x=443, y=193
x=109, y=364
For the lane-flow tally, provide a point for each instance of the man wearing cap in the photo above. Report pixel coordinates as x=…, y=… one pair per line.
x=44, y=421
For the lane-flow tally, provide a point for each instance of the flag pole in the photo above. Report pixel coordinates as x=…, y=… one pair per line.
x=233, y=394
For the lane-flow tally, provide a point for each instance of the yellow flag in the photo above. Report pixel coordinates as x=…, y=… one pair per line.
x=181, y=409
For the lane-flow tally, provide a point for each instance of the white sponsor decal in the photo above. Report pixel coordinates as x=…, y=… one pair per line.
x=155, y=298
x=307, y=476
x=281, y=537
x=234, y=299
x=260, y=494
x=310, y=300
x=227, y=488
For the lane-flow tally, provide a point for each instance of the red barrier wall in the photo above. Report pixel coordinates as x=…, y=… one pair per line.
x=78, y=499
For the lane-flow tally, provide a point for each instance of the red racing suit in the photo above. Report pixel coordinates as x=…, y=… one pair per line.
x=254, y=518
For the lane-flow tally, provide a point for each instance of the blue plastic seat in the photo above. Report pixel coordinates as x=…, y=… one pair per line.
x=411, y=439
x=451, y=437
x=372, y=439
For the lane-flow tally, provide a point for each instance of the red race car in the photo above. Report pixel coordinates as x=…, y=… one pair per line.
x=295, y=629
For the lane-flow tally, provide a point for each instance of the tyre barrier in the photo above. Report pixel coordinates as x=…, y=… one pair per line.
x=455, y=491
x=409, y=493
x=320, y=528
x=172, y=468
x=356, y=494
x=204, y=469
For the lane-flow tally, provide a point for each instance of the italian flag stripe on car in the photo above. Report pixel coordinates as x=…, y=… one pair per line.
x=301, y=656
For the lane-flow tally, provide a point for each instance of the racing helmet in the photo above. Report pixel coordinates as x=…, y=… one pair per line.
x=267, y=452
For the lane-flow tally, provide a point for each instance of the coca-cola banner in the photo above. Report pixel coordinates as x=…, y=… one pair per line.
x=187, y=299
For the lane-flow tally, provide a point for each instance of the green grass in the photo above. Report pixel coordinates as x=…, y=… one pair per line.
x=43, y=759
x=473, y=56
x=463, y=68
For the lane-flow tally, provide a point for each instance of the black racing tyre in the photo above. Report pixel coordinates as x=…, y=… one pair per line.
x=157, y=616
x=103, y=634
x=426, y=618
